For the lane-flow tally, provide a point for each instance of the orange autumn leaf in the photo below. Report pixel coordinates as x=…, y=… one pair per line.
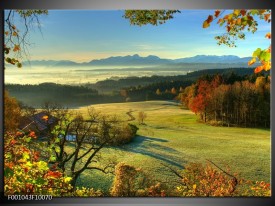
x=267, y=16
x=12, y=142
x=239, y=21
x=54, y=174
x=220, y=21
x=226, y=17
x=18, y=133
x=32, y=134
x=36, y=156
x=16, y=48
x=209, y=19
x=258, y=69
x=228, y=28
x=45, y=118
x=217, y=13
x=268, y=35
x=207, y=22
x=250, y=18
x=9, y=165
x=243, y=12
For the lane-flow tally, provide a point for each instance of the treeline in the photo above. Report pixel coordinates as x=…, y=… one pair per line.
x=115, y=91
x=170, y=88
x=67, y=95
x=167, y=91
x=239, y=103
x=52, y=88
x=112, y=84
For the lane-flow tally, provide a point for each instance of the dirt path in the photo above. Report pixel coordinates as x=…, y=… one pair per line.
x=129, y=113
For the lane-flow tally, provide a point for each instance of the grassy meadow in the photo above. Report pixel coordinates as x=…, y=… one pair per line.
x=172, y=136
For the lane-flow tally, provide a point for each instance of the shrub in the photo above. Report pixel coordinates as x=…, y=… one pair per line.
x=128, y=181
x=204, y=180
x=125, y=134
x=132, y=182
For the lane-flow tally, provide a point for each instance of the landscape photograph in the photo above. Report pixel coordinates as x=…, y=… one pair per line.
x=137, y=103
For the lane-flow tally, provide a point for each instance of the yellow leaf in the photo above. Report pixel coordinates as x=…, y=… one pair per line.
x=194, y=186
x=45, y=117
x=236, y=12
x=67, y=179
x=252, y=61
x=205, y=24
x=267, y=66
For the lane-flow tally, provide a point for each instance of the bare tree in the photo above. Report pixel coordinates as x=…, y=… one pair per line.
x=16, y=41
x=88, y=136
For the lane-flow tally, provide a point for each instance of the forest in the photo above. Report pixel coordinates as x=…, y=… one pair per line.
x=121, y=90
x=241, y=103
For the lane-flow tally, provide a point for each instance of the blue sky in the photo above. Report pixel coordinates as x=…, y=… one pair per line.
x=82, y=36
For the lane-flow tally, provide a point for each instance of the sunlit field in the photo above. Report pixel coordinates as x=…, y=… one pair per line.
x=172, y=136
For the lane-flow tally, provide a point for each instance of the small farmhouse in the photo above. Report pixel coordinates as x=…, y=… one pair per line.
x=41, y=123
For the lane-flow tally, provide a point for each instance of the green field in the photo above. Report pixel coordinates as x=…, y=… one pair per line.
x=174, y=137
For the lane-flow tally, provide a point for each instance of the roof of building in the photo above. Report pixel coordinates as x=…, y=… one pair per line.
x=39, y=121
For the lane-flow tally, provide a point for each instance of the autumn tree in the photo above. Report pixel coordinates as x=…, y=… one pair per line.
x=241, y=103
x=158, y=92
x=201, y=100
x=174, y=90
x=12, y=113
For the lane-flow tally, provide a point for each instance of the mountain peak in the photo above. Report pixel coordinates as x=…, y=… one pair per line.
x=136, y=60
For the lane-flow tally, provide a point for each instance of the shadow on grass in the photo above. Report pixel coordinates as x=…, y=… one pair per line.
x=149, y=146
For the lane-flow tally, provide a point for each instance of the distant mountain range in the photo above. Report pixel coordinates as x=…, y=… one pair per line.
x=151, y=60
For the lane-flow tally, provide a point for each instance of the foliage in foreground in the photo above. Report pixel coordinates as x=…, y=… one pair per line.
x=25, y=172
x=133, y=182
x=206, y=180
